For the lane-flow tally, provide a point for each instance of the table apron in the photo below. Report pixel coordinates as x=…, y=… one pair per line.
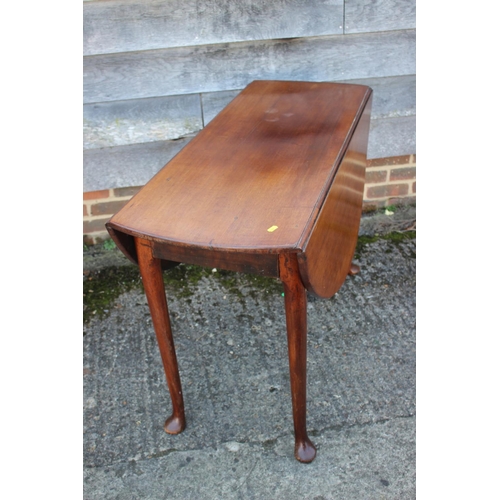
x=264, y=264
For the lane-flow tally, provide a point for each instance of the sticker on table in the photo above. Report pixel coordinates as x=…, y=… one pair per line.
x=272, y=228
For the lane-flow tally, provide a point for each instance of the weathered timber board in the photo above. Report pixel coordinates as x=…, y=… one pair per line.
x=134, y=165
x=126, y=26
x=362, y=16
x=392, y=97
x=219, y=67
x=124, y=166
x=140, y=120
x=164, y=118
x=392, y=137
x=214, y=102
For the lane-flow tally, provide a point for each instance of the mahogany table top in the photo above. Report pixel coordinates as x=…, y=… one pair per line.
x=256, y=177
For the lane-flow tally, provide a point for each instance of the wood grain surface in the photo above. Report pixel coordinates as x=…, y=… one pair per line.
x=266, y=161
x=326, y=259
x=209, y=68
x=154, y=288
x=133, y=25
x=379, y=15
x=273, y=185
x=119, y=123
x=130, y=165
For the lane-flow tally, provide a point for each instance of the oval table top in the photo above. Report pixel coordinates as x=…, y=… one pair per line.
x=257, y=176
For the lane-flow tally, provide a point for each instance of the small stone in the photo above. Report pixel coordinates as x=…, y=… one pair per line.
x=90, y=403
x=233, y=446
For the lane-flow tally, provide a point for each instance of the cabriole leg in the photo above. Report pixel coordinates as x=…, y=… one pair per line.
x=296, y=325
x=152, y=279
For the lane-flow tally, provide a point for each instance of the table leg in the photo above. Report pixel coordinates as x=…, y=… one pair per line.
x=354, y=269
x=296, y=326
x=154, y=287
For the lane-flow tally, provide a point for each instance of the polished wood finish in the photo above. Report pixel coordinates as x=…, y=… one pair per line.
x=152, y=280
x=354, y=270
x=326, y=259
x=296, y=327
x=273, y=186
x=262, y=264
x=268, y=159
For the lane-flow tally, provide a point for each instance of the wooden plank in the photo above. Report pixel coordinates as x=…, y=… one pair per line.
x=219, y=67
x=124, y=166
x=140, y=120
x=214, y=102
x=149, y=120
x=362, y=16
x=392, y=96
x=392, y=137
x=125, y=26
x=134, y=165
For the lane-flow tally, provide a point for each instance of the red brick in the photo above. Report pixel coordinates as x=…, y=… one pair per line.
x=414, y=187
x=387, y=190
x=107, y=208
x=93, y=239
x=403, y=174
x=88, y=240
x=95, y=195
x=127, y=191
x=94, y=226
x=372, y=206
x=85, y=210
x=393, y=160
x=375, y=176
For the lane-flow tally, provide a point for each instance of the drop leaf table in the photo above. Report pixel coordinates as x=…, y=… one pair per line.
x=273, y=185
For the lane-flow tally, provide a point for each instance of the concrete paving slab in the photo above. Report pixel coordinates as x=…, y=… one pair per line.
x=231, y=343
x=370, y=462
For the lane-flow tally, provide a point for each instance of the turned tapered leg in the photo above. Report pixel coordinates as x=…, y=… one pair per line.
x=296, y=326
x=152, y=279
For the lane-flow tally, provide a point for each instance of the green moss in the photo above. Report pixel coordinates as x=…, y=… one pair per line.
x=395, y=237
x=102, y=288
x=109, y=245
x=256, y=285
x=181, y=278
x=265, y=284
x=230, y=281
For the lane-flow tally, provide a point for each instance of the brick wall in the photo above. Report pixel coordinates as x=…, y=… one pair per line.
x=99, y=207
x=389, y=181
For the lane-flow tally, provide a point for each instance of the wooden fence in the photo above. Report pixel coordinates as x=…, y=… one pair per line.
x=157, y=71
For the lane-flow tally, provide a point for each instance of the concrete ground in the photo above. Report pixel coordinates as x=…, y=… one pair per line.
x=230, y=337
